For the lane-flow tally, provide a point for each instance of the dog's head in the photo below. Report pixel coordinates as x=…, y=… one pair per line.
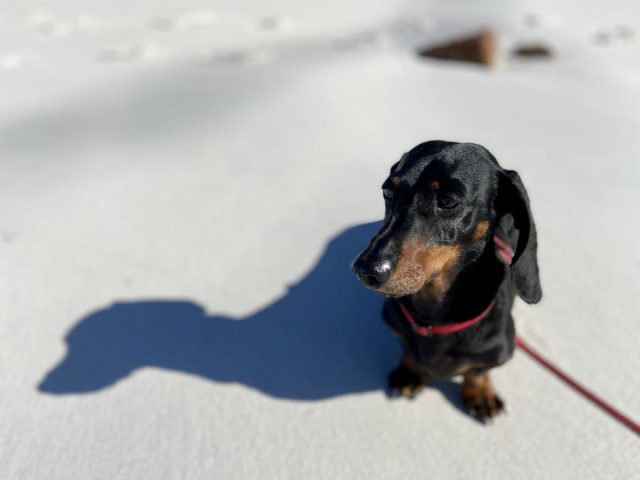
x=443, y=201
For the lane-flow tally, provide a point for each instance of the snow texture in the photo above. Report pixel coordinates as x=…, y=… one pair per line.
x=184, y=185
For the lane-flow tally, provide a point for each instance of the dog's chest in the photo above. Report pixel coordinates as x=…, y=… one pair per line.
x=439, y=356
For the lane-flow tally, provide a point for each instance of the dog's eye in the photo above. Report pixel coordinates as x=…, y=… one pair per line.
x=447, y=202
x=387, y=194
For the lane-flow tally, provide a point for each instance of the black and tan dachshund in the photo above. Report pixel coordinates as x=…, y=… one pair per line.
x=457, y=244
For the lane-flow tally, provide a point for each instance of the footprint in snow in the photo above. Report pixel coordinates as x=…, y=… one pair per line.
x=130, y=53
x=123, y=53
x=234, y=58
x=46, y=23
x=363, y=40
x=184, y=21
x=618, y=35
x=274, y=24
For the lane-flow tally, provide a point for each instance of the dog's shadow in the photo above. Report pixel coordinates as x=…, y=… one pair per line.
x=323, y=338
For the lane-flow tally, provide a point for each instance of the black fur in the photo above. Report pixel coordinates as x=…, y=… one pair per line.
x=513, y=200
x=469, y=178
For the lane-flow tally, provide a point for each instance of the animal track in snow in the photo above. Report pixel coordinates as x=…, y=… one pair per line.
x=185, y=21
x=124, y=53
x=366, y=39
x=398, y=31
x=234, y=58
x=130, y=53
x=618, y=35
x=46, y=23
x=273, y=23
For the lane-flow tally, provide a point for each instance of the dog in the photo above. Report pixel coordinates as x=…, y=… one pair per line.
x=458, y=243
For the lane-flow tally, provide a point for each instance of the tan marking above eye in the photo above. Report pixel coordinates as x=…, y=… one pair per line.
x=395, y=181
x=435, y=185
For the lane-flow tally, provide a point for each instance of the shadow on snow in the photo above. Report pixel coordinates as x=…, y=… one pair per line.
x=323, y=338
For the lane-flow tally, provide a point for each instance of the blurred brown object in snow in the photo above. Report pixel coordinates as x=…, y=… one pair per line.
x=481, y=48
x=533, y=50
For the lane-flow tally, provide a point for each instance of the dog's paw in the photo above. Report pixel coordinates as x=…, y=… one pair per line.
x=483, y=405
x=404, y=382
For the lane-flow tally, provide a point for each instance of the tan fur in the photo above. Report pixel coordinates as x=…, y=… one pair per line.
x=447, y=259
x=435, y=185
x=481, y=230
x=477, y=390
x=420, y=264
x=395, y=181
x=466, y=367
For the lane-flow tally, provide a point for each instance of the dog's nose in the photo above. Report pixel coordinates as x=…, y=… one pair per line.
x=372, y=274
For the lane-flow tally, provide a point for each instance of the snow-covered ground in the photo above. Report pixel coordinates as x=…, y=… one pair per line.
x=183, y=185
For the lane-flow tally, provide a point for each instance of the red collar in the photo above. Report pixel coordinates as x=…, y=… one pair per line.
x=506, y=254
x=431, y=330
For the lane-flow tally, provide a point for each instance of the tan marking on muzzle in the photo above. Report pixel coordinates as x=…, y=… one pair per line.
x=420, y=263
x=395, y=181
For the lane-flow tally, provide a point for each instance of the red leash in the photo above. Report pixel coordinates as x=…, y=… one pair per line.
x=589, y=395
x=507, y=254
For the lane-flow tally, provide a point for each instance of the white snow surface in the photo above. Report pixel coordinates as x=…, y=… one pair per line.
x=173, y=175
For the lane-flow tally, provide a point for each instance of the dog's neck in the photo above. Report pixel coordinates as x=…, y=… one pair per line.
x=460, y=291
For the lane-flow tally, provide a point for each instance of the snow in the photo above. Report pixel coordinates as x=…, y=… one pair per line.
x=183, y=186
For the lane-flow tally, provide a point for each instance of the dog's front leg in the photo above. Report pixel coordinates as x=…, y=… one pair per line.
x=479, y=397
x=406, y=380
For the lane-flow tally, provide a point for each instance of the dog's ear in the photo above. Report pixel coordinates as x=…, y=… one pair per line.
x=512, y=200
